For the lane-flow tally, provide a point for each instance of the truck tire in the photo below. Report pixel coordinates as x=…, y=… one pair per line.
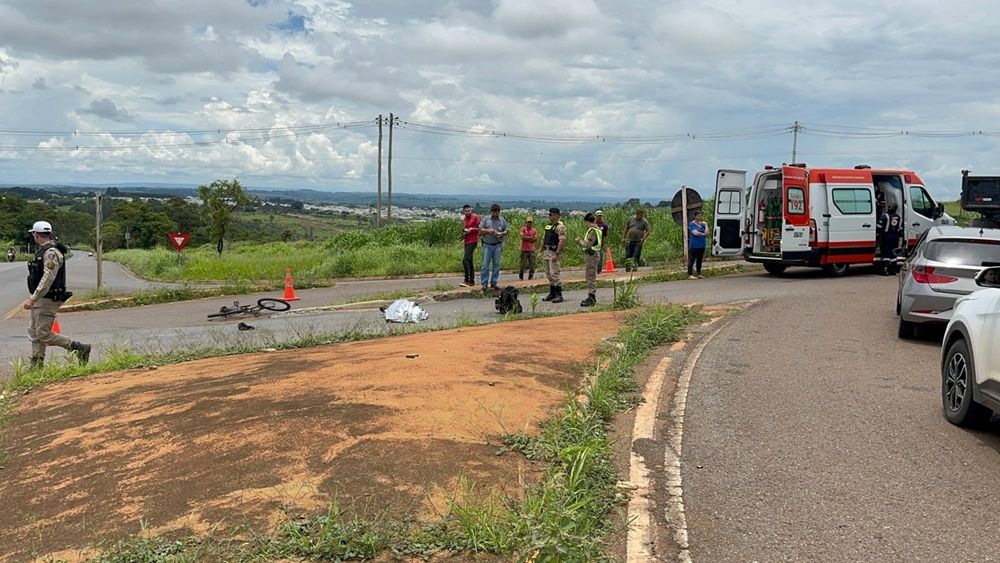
x=837, y=270
x=775, y=269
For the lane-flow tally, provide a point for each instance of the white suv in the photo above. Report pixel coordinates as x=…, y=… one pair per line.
x=970, y=364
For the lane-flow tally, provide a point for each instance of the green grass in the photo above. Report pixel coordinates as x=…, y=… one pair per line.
x=402, y=249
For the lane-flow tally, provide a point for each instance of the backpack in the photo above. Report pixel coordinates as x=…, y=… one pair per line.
x=507, y=302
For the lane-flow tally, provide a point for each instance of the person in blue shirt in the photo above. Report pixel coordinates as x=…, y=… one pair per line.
x=697, y=230
x=492, y=231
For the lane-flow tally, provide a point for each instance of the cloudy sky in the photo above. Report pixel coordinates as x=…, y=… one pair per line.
x=621, y=98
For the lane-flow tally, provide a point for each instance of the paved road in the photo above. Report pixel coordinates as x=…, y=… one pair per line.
x=813, y=434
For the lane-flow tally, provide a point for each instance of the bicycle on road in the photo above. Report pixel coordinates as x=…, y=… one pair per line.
x=267, y=304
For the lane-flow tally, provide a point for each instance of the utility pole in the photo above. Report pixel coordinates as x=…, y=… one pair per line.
x=98, y=247
x=378, y=200
x=388, y=214
x=795, y=141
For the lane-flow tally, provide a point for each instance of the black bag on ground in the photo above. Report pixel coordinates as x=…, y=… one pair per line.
x=507, y=302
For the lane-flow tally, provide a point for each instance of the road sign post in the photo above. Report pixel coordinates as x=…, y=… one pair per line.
x=179, y=241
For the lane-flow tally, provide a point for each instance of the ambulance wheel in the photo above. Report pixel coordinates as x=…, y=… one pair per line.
x=906, y=330
x=775, y=269
x=836, y=270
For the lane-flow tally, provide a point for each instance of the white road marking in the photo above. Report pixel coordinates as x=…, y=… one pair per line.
x=641, y=539
x=672, y=453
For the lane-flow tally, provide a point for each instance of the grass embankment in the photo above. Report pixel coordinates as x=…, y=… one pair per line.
x=565, y=516
x=397, y=250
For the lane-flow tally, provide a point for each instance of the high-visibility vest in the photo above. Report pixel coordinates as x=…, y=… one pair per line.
x=597, y=245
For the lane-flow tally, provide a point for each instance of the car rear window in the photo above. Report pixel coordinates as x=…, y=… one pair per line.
x=966, y=252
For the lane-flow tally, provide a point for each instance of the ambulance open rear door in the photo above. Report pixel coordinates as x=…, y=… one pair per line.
x=727, y=223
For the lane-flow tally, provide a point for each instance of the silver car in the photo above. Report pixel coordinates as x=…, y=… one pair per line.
x=941, y=268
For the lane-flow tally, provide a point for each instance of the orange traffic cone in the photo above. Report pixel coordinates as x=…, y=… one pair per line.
x=289, y=289
x=609, y=266
x=55, y=327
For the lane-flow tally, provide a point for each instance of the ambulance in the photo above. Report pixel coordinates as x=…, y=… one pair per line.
x=794, y=215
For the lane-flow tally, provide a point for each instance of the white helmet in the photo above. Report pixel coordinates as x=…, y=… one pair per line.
x=41, y=227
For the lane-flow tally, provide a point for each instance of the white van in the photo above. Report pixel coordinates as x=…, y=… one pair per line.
x=823, y=217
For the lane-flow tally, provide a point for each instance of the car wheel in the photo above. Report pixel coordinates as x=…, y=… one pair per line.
x=836, y=270
x=906, y=330
x=775, y=269
x=958, y=375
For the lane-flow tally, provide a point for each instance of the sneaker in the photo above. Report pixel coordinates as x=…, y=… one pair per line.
x=495, y=286
x=700, y=277
x=465, y=284
x=692, y=277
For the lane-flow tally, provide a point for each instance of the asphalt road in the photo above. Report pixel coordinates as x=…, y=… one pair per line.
x=813, y=434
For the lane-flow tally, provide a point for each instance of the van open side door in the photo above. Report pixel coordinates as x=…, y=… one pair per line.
x=795, y=212
x=727, y=221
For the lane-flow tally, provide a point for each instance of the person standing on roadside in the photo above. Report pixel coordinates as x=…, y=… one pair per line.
x=11, y=255
x=492, y=230
x=471, y=238
x=47, y=285
x=552, y=246
x=636, y=232
x=528, y=237
x=697, y=230
x=605, y=228
x=591, y=244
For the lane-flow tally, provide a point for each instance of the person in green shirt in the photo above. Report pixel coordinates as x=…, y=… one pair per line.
x=636, y=232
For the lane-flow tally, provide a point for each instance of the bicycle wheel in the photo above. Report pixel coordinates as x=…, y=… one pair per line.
x=276, y=305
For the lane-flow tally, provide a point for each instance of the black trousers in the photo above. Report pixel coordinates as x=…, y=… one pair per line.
x=695, y=256
x=467, y=266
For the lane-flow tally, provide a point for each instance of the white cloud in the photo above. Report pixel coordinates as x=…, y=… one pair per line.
x=545, y=69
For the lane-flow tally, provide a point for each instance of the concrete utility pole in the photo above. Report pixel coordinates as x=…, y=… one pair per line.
x=684, y=219
x=98, y=246
x=388, y=214
x=795, y=141
x=378, y=200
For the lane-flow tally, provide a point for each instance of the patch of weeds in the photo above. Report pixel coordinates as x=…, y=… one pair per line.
x=330, y=536
x=464, y=320
x=626, y=294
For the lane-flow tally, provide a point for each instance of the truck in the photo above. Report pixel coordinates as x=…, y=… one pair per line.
x=794, y=215
x=981, y=194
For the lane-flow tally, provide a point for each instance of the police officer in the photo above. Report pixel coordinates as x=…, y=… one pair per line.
x=591, y=244
x=889, y=226
x=47, y=285
x=552, y=246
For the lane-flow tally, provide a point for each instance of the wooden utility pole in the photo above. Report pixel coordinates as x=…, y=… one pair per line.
x=98, y=247
x=684, y=219
x=378, y=200
x=388, y=214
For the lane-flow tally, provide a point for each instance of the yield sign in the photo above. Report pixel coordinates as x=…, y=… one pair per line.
x=179, y=240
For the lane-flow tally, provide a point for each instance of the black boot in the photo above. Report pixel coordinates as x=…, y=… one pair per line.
x=81, y=350
x=37, y=362
x=531, y=274
x=558, y=296
x=520, y=275
x=590, y=301
x=551, y=295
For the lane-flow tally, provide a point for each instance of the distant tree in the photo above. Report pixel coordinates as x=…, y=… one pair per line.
x=183, y=214
x=146, y=228
x=634, y=202
x=221, y=198
x=663, y=203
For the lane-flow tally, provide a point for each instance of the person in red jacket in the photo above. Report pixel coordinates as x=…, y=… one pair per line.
x=470, y=234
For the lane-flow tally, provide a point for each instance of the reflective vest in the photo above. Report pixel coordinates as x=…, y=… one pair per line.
x=597, y=245
x=36, y=269
x=551, y=240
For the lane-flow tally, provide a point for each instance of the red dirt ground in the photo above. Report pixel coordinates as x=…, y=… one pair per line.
x=239, y=440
